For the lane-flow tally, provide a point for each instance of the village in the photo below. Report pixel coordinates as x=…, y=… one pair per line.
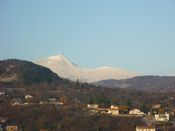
x=151, y=119
x=122, y=111
x=27, y=100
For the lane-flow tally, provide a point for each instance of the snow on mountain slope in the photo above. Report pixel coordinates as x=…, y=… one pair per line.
x=64, y=68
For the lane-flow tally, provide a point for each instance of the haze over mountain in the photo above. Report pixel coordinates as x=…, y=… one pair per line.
x=66, y=69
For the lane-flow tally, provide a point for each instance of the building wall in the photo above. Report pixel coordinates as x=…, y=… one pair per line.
x=162, y=117
x=12, y=128
x=113, y=111
x=134, y=111
x=114, y=107
x=92, y=106
x=145, y=129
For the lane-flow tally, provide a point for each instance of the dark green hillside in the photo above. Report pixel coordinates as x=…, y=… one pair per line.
x=25, y=72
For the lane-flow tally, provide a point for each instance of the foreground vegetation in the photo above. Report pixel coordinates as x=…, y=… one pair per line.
x=19, y=79
x=73, y=115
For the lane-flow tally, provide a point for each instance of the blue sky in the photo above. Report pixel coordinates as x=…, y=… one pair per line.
x=138, y=35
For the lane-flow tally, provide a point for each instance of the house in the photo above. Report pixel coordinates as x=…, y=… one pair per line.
x=43, y=102
x=28, y=97
x=3, y=120
x=145, y=128
x=2, y=93
x=52, y=100
x=93, y=106
x=114, y=107
x=16, y=102
x=12, y=128
x=135, y=112
x=113, y=111
x=156, y=106
x=26, y=103
x=102, y=110
x=162, y=117
x=58, y=103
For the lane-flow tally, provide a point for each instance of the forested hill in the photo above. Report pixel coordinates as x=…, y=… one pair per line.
x=150, y=83
x=25, y=73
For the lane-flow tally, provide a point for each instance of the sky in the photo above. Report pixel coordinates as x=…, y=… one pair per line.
x=138, y=35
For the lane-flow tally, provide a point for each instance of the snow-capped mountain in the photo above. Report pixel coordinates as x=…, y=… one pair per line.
x=66, y=69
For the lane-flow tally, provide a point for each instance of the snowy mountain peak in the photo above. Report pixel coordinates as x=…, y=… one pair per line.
x=58, y=58
x=64, y=68
x=103, y=67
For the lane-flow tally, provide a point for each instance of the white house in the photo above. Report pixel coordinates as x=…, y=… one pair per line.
x=58, y=103
x=28, y=97
x=145, y=128
x=162, y=117
x=114, y=107
x=113, y=111
x=92, y=106
x=2, y=93
x=135, y=112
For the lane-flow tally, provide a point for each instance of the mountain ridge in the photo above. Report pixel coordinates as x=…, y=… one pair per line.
x=66, y=69
x=153, y=83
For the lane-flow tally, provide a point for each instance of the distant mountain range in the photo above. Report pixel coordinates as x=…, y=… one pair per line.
x=20, y=72
x=66, y=69
x=149, y=83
